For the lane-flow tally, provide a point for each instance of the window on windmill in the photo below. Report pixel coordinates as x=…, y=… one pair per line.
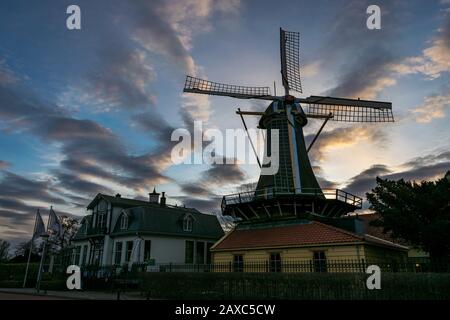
x=187, y=224
x=124, y=222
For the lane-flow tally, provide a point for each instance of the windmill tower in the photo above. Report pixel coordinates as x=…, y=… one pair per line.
x=293, y=190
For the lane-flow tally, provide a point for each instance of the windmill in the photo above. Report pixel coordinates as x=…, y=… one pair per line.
x=293, y=190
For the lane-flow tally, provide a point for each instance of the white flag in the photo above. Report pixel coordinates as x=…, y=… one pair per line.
x=54, y=225
x=39, y=230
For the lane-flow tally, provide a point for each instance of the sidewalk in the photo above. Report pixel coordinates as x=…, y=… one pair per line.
x=75, y=294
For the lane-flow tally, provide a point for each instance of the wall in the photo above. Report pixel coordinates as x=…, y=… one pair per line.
x=163, y=249
x=373, y=253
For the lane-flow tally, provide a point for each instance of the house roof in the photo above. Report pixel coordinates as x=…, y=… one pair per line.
x=377, y=231
x=155, y=219
x=124, y=202
x=82, y=230
x=305, y=233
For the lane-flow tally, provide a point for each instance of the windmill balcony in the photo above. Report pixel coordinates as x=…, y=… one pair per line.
x=272, y=202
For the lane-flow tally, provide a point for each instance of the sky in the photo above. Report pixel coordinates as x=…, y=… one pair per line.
x=92, y=110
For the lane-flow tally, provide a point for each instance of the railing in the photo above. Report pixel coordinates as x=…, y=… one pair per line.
x=283, y=266
x=270, y=193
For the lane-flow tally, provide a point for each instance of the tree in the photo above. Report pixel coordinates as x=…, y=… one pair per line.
x=23, y=248
x=416, y=212
x=4, y=250
x=69, y=229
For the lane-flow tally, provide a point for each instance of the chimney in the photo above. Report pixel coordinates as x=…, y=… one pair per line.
x=163, y=200
x=153, y=197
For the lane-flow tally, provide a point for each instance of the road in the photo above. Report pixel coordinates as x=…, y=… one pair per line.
x=17, y=296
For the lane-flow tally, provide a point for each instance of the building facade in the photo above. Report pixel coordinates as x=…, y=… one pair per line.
x=119, y=231
x=286, y=243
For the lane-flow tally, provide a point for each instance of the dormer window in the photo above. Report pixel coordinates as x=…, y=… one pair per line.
x=124, y=222
x=187, y=223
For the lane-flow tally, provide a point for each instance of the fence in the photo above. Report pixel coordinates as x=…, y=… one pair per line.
x=257, y=280
x=279, y=266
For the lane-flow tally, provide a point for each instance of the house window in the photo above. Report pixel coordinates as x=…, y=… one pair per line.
x=76, y=255
x=98, y=253
x=147, y=249
x=129, y=250
x=275, y=262
x=200, y=253
x=124, y=222
x=118, y=253
x=320, y=261
x=189, y=252
x=208, y=252
x=101, y=220
x=238, y=263
x=84, y=257
x=187, y=224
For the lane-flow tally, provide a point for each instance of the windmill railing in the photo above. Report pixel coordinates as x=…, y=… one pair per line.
x=271, y=193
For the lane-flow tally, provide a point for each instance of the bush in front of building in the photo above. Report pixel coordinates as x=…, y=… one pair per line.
x=312, y=286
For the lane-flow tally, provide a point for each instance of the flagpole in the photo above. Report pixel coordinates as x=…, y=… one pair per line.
x=31, y=248
x=38, y=283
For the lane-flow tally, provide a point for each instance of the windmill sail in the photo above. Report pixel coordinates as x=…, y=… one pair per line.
x=290, y=60
x=196, y=85
x=348, y=110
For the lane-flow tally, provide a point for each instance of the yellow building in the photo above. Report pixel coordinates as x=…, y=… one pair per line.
x=301, y=246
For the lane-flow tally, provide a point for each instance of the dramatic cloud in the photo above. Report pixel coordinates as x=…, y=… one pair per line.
x=210, y=205
x=367, y=73
x=218, y=176
x=342, y=137
x=7, y=76
x=121, y=81
x=433, y=107
x=430, y=167
x=4, y=165
x=88, y=149
x=435, y=59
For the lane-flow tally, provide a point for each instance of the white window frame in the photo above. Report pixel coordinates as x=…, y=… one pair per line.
x=124, y=222
x=188, y=223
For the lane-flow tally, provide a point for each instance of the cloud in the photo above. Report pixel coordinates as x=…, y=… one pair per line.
x=88, y=149
x=223, y=174
x=368, y=72
x=7, y=76
x=342, y=137
x=19, y=200
x=122, y=80
x=4, y=165
x=217, y=176
x=429, y=167
x=434, y=60
x=433, y=107
x=210, y=205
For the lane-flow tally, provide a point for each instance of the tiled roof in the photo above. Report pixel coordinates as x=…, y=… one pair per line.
x=377, y=231
x=302, y=234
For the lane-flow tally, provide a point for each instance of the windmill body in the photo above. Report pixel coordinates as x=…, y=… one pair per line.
x=293, y=191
